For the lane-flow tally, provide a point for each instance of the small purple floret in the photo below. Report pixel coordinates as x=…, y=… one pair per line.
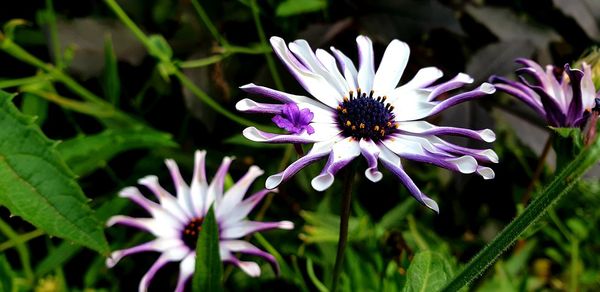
x=294, y=120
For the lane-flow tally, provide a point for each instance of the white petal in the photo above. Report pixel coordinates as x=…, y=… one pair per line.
x=486, y=172
x=391, y=67
x=322, y=132
x=161, y=227
x=366, y=70
x=350, y=73
x=183, y=190
x=424, y=77
x=329, y=62
x=167, y=201
x=215, y=189
x=199, y=184
x=342, y=153
x=302, y=50
x=235, y=194
x=315, y=84
x=410, y=105
x=317, y=152
x=157, y=245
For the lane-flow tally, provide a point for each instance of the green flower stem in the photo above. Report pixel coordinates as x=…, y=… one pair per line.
x=11, y=48
x=560, y=186
x=54, y=43
x=202, y=62
x=263, y=40
x=21, y=248
x=185, y=81
x=20, y=239
x=208, y=23
x=24, y=81
x=344, y=219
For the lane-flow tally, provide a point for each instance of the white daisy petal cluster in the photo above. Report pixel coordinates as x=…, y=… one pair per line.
x=176, y=221
x=352, y=112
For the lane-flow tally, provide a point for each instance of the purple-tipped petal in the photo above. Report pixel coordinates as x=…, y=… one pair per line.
x=348, y=68
x=303, y=51
x=215, y=189
x=342, y=153
x=244, y=228
x=235, y=194
x=244, y=208
x=425, y=128
x=249, y=249
x=157, y=245
x=166, y=228
x=318, y=151
x=186, y=270
x=484, y=89
x=145, y=282
x=370, y=151
x=250, y=106
x=424, y=77
x=392, y=163
x=529, y=97
x=458, y=81
x=321, y=133
x=199, y=184
x=167, y=201
x=317, y=85
x=183, y=190
x=576, y=106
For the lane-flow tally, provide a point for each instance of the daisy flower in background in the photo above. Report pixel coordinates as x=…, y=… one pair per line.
x=177, y=221
x=565, y=98
x=363, y=112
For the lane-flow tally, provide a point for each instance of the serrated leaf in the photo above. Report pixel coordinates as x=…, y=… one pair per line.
x=36, y=184
x=208, y=275
x=295, y=7
x=429, y=271
x=86, y=153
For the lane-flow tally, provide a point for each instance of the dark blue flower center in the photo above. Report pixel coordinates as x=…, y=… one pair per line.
x=190, y=233
x=363, y=116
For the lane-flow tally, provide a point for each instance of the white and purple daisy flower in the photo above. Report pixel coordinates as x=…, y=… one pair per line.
x=364, y=112
x=565, y=98
x=177, y=221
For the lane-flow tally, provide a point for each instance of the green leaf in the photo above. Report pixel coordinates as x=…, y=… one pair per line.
x=159, y=47
x=110, y=78
x=429, y=271
x=208, y=275
x=66, y=250
x=294, y=7
x=35, y=106
x=86, y=153
x=36, y=184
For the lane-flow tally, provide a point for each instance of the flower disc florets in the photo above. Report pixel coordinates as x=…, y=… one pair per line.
x=191, y=231
x=363, y=116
